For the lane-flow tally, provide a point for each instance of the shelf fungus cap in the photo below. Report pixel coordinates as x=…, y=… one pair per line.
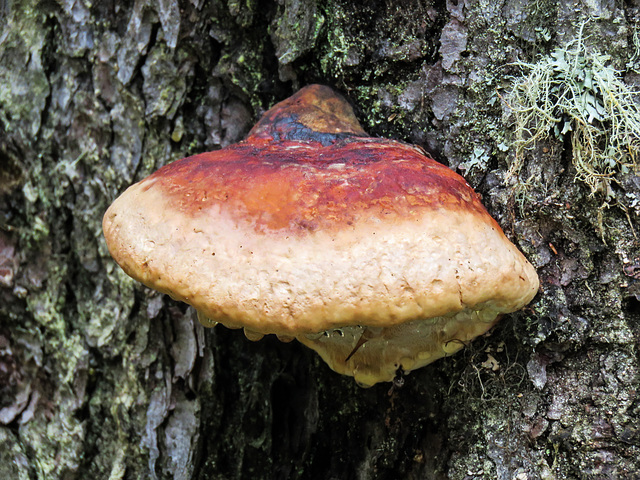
x=364, y=249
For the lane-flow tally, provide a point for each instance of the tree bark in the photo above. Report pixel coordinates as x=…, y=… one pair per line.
x=103, y=378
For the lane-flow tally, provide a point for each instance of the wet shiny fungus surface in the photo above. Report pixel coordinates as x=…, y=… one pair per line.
x=288, y=185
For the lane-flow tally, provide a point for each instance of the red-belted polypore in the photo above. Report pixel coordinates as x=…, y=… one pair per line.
x=364, y=249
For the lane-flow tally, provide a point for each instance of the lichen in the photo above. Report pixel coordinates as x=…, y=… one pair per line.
x=24, y=88
x=295, y=30
x=376, y=55
x=573, y=93
x=14, y=462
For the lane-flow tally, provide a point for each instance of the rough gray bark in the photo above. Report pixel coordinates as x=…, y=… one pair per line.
x=102, y=378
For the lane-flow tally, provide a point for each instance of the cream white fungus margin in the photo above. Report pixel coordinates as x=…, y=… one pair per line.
x=416, y=274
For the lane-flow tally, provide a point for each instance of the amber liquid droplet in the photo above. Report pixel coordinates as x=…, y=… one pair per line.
x=206, y=321
x=253, y=336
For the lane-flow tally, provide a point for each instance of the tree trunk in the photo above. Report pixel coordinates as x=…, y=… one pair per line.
x=103, y=378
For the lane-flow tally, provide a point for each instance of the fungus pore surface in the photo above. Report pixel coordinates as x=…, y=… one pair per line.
x=364, y=249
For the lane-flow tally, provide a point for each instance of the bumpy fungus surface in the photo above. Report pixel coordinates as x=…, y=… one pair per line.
x=364, y=249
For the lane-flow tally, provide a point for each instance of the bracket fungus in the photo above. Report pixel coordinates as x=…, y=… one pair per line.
x=364, y=249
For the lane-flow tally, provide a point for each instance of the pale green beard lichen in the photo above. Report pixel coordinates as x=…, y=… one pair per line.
x=575, y=91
